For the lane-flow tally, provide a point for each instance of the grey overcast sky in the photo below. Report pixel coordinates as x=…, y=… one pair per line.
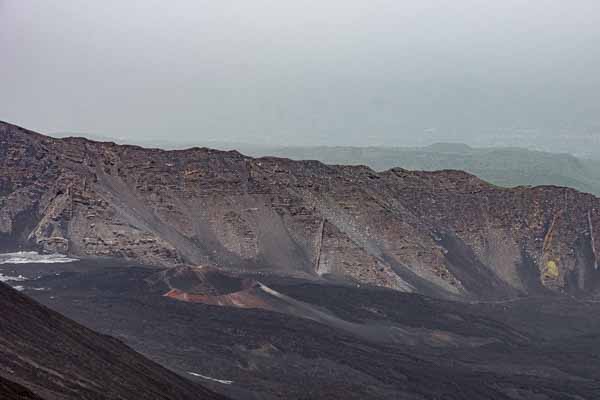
x=335, y=72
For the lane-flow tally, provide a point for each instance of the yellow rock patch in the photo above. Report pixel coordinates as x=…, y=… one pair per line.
x=551, y=270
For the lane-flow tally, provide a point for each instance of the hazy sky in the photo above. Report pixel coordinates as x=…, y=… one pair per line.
x=304, y=72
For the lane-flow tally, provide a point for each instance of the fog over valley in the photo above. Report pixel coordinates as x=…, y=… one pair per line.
x=392, y=73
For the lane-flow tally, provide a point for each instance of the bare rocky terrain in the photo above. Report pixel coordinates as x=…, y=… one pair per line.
x=12, y=391
x=268, y=337
x=277, y=279
x=44, y=355
x=444, y=233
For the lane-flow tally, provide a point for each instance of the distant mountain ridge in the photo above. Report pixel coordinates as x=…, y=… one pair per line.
x=508, y=166
x=503, y=166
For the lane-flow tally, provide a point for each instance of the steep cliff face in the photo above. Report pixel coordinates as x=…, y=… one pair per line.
x=443, y=233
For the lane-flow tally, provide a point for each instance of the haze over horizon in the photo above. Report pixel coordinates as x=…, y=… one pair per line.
x=515, y=73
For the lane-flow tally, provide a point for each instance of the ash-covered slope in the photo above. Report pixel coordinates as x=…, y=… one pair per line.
x=289, y=338
x=11, y=391
x=443, y=233
x=46, y=356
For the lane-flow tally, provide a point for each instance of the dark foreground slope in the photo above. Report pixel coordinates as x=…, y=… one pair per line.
x=263, y=337
x=447, y=233
x=12, y=391
x=44, y=353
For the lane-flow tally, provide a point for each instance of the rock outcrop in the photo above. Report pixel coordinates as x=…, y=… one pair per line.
x=444, y=233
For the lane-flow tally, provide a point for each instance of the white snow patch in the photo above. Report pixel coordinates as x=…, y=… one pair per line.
x=20, y=278
x=4, y=278
x=272, y=292
x=29, y=257
x=224, y=382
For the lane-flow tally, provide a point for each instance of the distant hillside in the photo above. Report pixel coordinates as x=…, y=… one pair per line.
x=500, y=166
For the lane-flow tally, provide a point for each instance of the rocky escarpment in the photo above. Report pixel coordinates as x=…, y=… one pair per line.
x=443, y=233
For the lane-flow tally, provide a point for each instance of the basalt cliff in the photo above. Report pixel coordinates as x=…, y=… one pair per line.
x=446, y=233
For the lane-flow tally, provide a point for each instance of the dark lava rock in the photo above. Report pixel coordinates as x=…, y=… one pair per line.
x=315, y=340
x=11, y=391
x=47, y=354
